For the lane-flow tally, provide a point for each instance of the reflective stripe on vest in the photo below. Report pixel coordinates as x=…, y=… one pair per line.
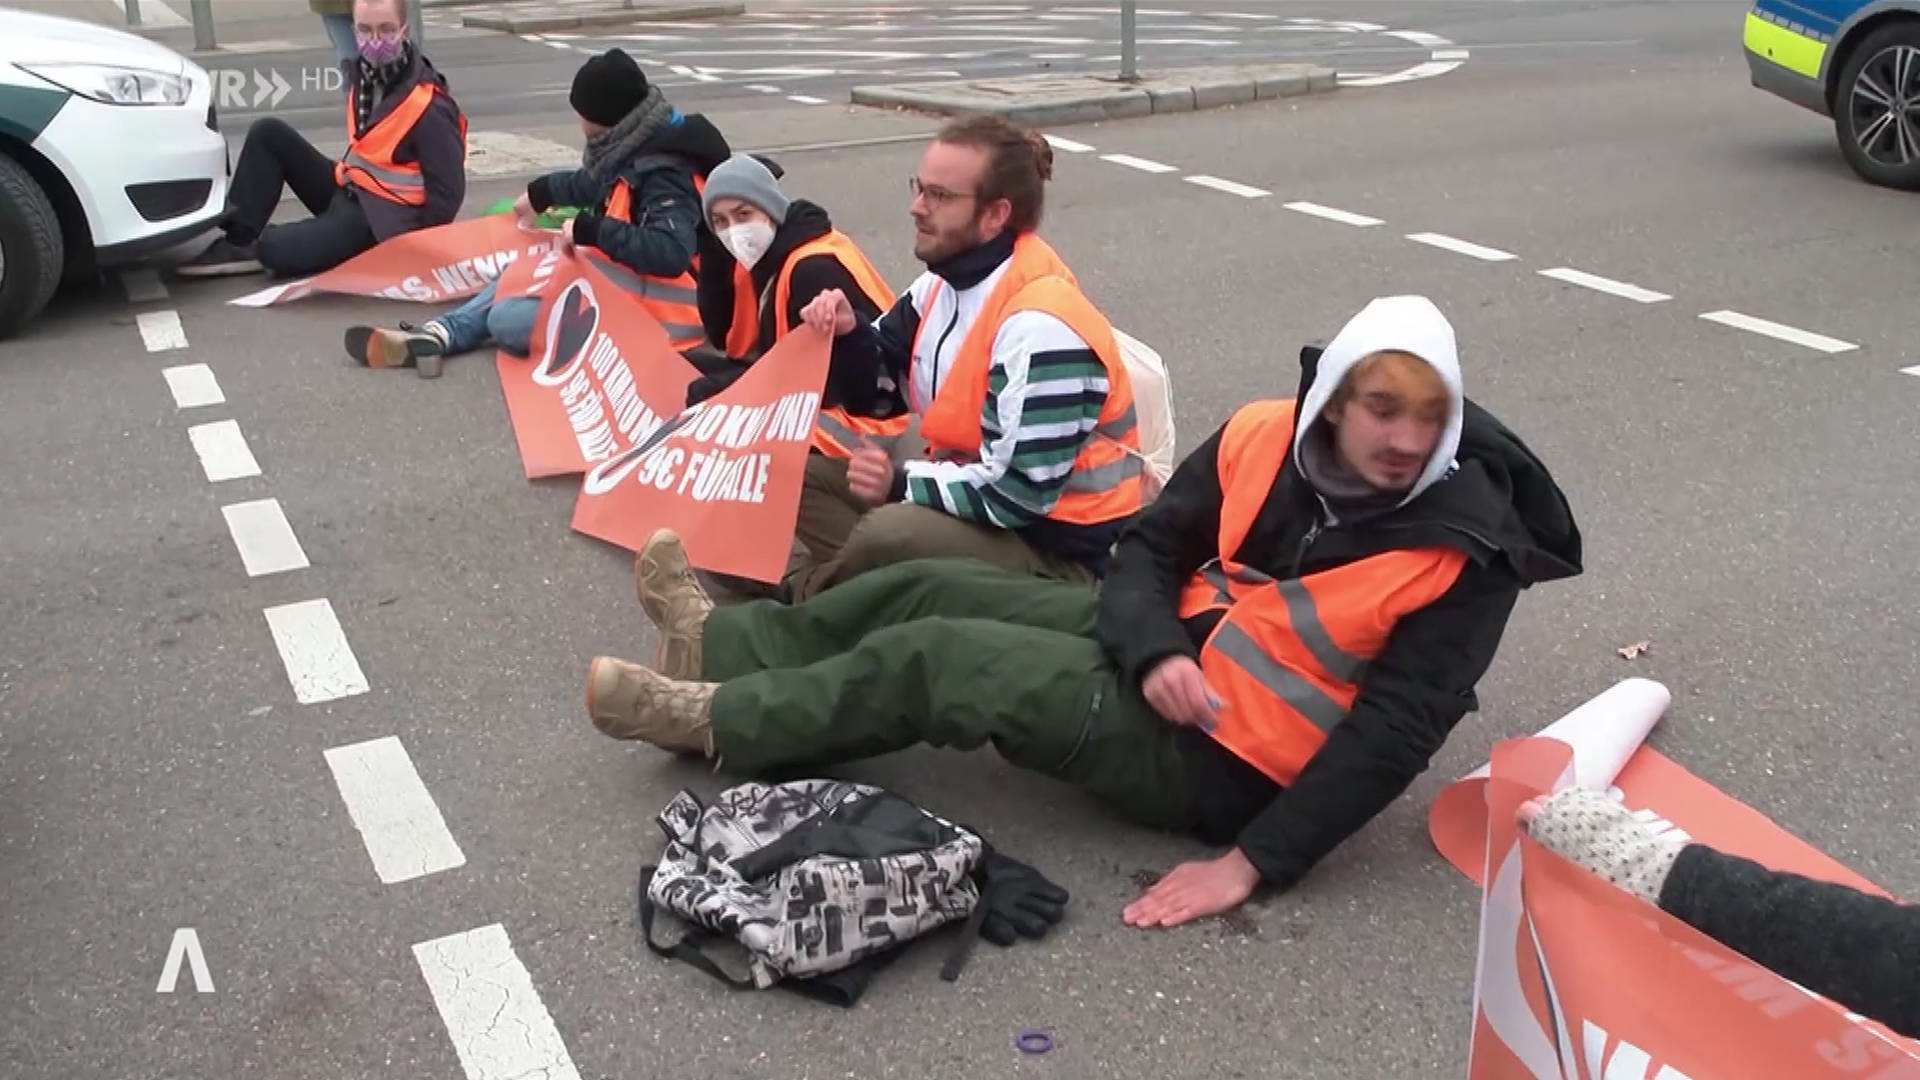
x=369, y=164
x=1288, y=656
x=674, y=302
x=836, y=431
x=1106, y=482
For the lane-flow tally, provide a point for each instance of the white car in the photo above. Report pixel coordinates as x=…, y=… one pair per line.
x=109, y=151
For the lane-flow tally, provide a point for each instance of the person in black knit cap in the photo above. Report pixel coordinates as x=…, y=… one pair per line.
x=638, y=191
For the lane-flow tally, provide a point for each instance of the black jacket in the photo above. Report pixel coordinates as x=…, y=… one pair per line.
x=661, y=238
x=854, y=373
x=435, y=144
x=1501, y=507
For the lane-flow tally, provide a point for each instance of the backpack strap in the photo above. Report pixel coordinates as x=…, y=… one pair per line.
x=687, y=948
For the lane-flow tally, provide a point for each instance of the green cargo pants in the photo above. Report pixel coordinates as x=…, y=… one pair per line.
x=948, y=652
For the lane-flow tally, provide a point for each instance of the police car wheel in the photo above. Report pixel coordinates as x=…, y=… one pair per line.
x=32, y=251
x=1876, y=107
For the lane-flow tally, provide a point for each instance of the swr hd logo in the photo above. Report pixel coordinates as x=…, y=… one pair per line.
x=234, y=89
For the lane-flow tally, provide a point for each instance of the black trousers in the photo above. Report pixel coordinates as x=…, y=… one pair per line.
x=274, y=158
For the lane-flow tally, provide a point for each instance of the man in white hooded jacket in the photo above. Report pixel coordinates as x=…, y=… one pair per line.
x=1288, y=635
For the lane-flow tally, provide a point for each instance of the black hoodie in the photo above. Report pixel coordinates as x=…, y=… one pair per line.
x=853, y=377
x=660, y=240
x=434, y=143
x=1501, y=507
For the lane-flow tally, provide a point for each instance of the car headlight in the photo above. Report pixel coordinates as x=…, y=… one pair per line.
x=115, y=85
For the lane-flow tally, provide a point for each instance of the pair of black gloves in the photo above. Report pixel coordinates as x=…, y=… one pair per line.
x=1019, y=901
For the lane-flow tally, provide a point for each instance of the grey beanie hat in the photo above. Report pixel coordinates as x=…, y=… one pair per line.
x=743, y=177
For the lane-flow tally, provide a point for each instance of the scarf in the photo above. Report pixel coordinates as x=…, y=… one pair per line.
x=374, y=83
x=614, y=147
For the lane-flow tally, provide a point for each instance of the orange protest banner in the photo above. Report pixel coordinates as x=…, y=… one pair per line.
x=725, y=473
x=600, y=371
x=427, y=266
x=1580, y=980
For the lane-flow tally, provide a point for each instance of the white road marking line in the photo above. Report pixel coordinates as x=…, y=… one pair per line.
x=398, y=821
x=1419, y=37
x=1606, y=285
x=157, y=14
x=193, y=386
x=223, y=450
x=1461, y=247
x=1781, y=331
x=1057, y=55
x=1068, y=145
x=142, y=285
x=493, y=1014
x=561, y=45
x=161, y=330
x=1228, y=186
x=1345, y=217
x=319, y=662
x=1142, y=164
x=265, y=539
x=1450, y=54
x=805, y=100
x=762, y=89
x=1418, y=71
x=1914, y=370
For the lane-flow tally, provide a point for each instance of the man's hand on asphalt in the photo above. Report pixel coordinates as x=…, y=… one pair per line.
x=870, y=475
x=1195, y=890
x=1178, y=691
x=830, y=313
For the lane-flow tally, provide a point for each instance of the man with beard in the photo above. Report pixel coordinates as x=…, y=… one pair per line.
x=1014, y=380
x=405, y=166
x=638, y=186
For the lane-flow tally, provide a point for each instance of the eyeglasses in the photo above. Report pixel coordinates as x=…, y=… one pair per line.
x=939, y=196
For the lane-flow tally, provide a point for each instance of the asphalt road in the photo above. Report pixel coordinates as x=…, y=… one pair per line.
x=1743, y=506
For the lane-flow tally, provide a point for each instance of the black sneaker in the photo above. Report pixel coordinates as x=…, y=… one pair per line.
x=409, y=346
x=222, y=258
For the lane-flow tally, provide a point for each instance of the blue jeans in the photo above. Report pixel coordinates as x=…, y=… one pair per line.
x=508, y=323
x=340, y=32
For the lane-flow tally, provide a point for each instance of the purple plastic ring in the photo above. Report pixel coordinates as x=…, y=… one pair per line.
x=1033, y=1042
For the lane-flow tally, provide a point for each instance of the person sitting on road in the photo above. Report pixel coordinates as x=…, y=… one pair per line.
x=405, y=167
x=1859, y=950
x=638, y=186
x=1289, y=633
x=764, y=257
x=1015, y=379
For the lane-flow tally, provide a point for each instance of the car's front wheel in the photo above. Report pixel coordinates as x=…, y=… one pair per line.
x=1876, y=107
x=32, y=251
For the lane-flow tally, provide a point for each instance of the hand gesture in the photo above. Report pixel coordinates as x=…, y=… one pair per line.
x=1195, y=890
x=829, y=313
x=1178, y=691
x=566, y=237
x=870, y=474
x=523, y=209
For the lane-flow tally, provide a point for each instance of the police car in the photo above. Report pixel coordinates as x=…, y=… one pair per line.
x=1855, y=61
x=109, y=152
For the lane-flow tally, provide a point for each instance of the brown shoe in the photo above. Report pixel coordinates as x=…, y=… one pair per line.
x=673, y=598
x=628, y=701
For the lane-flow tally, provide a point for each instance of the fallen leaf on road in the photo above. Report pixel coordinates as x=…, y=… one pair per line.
x=1635, y=649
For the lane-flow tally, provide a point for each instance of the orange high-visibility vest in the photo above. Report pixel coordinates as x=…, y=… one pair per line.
x=369, y=163
x=1288, y=656
x=836, y=431
x=673, y=301
x=1106, y=483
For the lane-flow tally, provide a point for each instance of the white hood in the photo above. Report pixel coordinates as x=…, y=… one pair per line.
x=29, y=37
x=1409, y=324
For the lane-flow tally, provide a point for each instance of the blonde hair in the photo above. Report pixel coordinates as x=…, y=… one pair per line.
x=1404, y=369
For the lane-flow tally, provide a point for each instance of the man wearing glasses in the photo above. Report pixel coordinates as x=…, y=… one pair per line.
x=1006, y=429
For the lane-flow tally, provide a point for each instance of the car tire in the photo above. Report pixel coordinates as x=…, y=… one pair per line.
x=1856, y=113
x=32, y=251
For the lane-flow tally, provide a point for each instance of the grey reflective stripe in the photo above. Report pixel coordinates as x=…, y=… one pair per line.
x=683, y=332
x=1312, y=633
x=1305, y=698
x=847, y=436
x=647, y=288
x=1120, y=426
x=387, y=178
x=1104, y=478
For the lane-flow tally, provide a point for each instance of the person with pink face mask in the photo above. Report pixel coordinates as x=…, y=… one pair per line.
x=405, y=167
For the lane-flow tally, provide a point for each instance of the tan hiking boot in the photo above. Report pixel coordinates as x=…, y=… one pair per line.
x=628, y=701
x=673, y=598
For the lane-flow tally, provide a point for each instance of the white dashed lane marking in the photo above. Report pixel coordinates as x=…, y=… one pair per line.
x=398, y=820
x=1344, y=217
x=1143, y=164
x=1069, y=145
x=161, y=330
x=319, y=662
x=264, y=538
x=1780, y=331
x=193, y=386
x=805, y=100
x=1461, y=247
x=494, y=1016
x=1229, y=186
x=223, y=450
x=1605, y=285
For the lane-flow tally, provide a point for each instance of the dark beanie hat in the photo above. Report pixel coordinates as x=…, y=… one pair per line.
x=608, y=87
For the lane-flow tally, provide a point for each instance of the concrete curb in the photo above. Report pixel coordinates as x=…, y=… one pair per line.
x=1074, y=99
x=533, y=22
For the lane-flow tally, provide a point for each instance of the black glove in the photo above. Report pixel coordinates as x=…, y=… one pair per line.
x=1019, y=901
